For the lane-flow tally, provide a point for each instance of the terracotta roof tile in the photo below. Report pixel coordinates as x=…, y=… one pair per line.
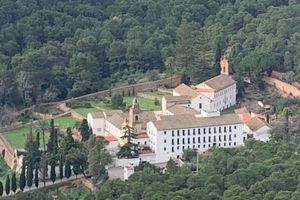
x=218, y=82
x=184, y=90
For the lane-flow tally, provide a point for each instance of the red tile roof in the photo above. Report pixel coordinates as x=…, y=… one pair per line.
x=110, y=138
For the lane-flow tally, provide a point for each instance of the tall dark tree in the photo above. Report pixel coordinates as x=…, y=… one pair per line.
x=68, y=171
x=1, y=189
x=14, y=182
x=22, y=181
x=7, y=185
x=61, y=168
x=44, y=167
x=43, y=126
x=36, y=177
x=38, y=140
x=29, y=174
x=52, y=143
x=52, y=170
x=84, y=130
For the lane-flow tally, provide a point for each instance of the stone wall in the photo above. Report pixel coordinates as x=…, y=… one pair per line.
x=140, y=87
x=8, y=153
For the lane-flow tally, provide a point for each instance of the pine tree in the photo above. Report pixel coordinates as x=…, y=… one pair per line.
x=29, y=175
x=52, y=171
x=36, y=177
x=1, y=189
x=22, y=181
x=68, y=171
x=61, y=168
x=7, y=185
x=84, y=130
x=14, y=182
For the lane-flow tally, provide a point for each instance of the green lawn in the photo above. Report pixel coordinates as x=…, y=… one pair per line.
x=145, y=104
x=4, y=170
x=156, y=93
x=17, y=137
x=85, y=111
x=101, y=105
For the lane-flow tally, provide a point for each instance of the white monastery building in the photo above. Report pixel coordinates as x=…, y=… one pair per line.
x=189, y=119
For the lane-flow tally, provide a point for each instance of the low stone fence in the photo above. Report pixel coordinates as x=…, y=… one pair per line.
x=8, y=152
x=132, y=89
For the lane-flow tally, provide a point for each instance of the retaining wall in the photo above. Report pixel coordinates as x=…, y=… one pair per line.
x=8, y=152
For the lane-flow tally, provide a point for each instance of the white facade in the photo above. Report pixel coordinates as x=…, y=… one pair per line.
x=172, y=142
x=215, y=100
x=261, y=134
x=96, y=124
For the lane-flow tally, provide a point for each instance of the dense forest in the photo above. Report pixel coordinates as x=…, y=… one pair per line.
x=51, y=50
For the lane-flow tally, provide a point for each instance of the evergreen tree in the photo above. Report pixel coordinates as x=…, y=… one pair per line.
x=84, y=130
x=36, y=177
x=1, y=189
x=14, y=182
x=29, y=174
x=44, y=168
x=68, y=171
x=52, y=143
x=7, y=185
x=52, y=171
x=61, y=168
x=38, y=140
x=22, y=181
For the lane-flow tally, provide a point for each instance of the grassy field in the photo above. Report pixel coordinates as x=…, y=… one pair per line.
x=17, y=137
x=4, y=170
x=85, y=111
x=145, y=104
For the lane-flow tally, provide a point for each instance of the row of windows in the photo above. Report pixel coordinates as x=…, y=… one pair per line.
x=203, y=146
x=204, y=131
x=204, y=139
x=222, y=92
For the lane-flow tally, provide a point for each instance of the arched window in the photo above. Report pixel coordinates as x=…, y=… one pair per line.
x=136, y=118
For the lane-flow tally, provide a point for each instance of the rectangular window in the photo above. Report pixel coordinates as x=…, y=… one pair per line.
x=234, y=135
x=215, y=129
x=229, y=143
x=209, y=130
x=204, y=140
x=182, y=140
x=224, y=137
x=183, y=132
x=229, y=137
x=234, y=127
x=172, y=141
x=234, y=143
x=199, y=131
x=220, y=138
x=193, y=140
x=165, y=148
x=178, y=141
x=198, y=139
x=224, y=129
x=204, y=146
x=172, y=149
x=165, y=141
x=209, y=139
x=165, y=132
x=224, y=144
x=182, y=148
x=194, y=132
x=188, y=141
x=177, y=147
x=200, y=105
x=178, y=133
x=204, y=130
x=172, y=133
x=220, y=129
x=229, y=128
x=214, y=138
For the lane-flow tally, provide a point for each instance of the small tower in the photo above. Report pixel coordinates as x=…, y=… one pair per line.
x=224, y=65
x=134, y=113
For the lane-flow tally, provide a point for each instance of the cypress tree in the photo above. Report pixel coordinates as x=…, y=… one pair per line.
x=14, y=182
x=7, y=185
x=36, y=177
x=29, y=175
x=61, y=168
x=52, y=144
x=1, y=189
x=67, y=169
x=38, y=140
x=84, y=130
x=52, y=171
x=22, y=182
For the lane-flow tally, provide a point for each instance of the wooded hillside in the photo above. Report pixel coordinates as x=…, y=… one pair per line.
x=51, y=50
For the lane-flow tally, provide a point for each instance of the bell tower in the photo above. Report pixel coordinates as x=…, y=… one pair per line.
x=134, y=113
x=224, y=65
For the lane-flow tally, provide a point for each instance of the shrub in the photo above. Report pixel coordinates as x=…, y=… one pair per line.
x=156, y=101
x=117, y=101
x=80, y=104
